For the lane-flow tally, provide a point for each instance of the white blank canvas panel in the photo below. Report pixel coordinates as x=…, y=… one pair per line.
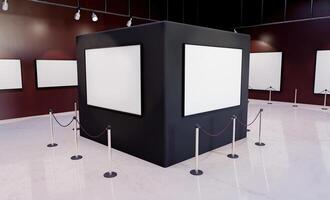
x=265, y=71
x=212, y=78
x=56, y=73
x=113, y=78
x=10, y=74
x=322, y=71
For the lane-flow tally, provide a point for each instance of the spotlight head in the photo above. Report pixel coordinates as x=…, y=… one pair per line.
x=77, y=15
x=129, y=22
x=94, y=17
x=5, y=5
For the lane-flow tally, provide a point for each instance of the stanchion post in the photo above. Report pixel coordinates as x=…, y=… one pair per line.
x=295, y=98
x=259, y=143
x=196, y=171
x=325, y=100
x=76, y=115
x=110, y=173
x=233, y=155
x=76, y=135
x=51, y=124
x=270, y=95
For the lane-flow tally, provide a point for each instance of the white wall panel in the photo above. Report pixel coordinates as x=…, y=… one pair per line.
x=322, y=71
x=113, y=78
x=10, y=74
x=56, y=73
x=212, y=78
x=265, y=71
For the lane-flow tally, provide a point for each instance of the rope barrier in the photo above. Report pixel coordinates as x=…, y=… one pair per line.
x=254, y=120
x=60, y=124
x=216, y=134
x=88, y=134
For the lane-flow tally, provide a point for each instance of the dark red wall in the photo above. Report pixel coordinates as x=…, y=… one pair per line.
x=299, y=42
x=30, y=31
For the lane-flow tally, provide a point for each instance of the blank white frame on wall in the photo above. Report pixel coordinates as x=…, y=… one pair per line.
x=265, y=71
x=56, y=73
x=113, y=78
x=10, y=74
x=212, y=78
x=322, y=72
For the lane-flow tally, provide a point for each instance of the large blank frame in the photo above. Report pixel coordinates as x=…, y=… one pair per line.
x=113, y=78
x=56, y=73
x=212, y=78
x=10, y=74
x=322, y=72
x=265, y=71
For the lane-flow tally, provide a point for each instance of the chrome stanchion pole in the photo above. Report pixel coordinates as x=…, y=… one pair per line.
x=52, y=137
x=110, y=173
x=76, y=135
x=196, y=171
x=295, y=98
x=270, y=95
x=259, y=143
x=325, y=100
x=233, y=155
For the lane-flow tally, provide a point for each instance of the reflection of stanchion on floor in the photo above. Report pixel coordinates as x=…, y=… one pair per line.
x=196, y=171
x=259, y=143
x=52, y=137
x=295, y=98
x=325, y=100
x=270, y=95
x=233, y=155
x=76, y=135
x=110, y=173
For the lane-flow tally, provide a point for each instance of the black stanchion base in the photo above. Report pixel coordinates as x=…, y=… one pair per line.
x=248, y=130
x=110, y=174
x=295, y=106
x=196, y=173
x=260, y=144
x=52, y=145
x=269, y=103
x=76, y=157
x=232, y=156
x=324, y=108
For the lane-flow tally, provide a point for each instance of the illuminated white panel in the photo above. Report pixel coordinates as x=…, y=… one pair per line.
x=265, y=71
x=113, y=78
x=56, y=73
x=212, y=78
x=10, y=74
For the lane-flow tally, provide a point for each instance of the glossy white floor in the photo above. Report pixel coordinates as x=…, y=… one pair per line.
x=294, y=164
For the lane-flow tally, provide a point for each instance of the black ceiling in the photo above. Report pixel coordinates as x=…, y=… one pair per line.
x=216, y=14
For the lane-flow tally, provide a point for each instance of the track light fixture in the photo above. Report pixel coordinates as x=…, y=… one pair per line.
x=94, y=17
x=129, y=22
x=5, y=5
x=77, y=14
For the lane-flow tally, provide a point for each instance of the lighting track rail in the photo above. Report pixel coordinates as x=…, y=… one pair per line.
x=91, y=10
x=284, y=22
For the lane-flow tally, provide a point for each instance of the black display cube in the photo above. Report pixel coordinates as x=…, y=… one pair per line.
x=162, y=135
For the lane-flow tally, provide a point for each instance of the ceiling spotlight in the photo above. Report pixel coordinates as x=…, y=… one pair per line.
x=129, y=22
x=77, y=15
x=5, y=5
x=94, y=17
